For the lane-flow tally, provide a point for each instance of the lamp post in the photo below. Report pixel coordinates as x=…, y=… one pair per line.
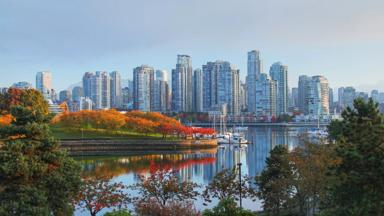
x=241, y=201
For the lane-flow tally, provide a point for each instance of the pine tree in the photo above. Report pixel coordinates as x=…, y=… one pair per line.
x=36, y=177
x=358, y=189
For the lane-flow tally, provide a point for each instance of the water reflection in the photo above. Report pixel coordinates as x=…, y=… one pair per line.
x=198, y=166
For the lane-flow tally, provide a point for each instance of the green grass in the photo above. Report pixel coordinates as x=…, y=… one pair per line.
x=61, y=133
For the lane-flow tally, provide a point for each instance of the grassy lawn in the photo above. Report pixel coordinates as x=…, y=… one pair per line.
x=61, y=133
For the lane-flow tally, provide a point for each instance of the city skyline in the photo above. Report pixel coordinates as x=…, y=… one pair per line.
x=341, y=41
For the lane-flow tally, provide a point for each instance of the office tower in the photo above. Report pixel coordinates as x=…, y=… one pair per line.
x=242, y=97
x=349, y=95
x=253, y=71
x=77, y=92
x=303, y=90
x=64, y=95
x=362, y=95
x=381, y=97
x=221, y=87
x=375, y=96
x=295, y=97
x=340, y=97
x=182, y=84
x=197, y=90
x=143, y=78
x=331, y=102
x=85, y=103
x=279, y=73
x=44, y=83
x=160, y=92
x=87, y=84
x=53, y=97
x=266, y=90
x=22, y=85
x=116, y=95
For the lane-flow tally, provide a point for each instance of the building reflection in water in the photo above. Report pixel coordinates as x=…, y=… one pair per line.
x=200, y=167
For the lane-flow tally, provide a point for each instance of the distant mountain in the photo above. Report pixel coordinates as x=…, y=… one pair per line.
x=379, y=85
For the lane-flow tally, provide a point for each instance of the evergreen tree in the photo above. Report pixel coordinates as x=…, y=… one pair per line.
x=276, y=182
x=358, y=189
x=36, y=177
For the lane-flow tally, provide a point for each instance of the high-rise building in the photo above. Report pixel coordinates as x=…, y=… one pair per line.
x=254, y=68
x=116, y=95
x=143, y=79
x=22, y=85
x=197, y=87
x=349, y=95
x=266, y=92
x=182, y=84
x=44, y=83
x=331, y=102
x=97, y=87
x=313, y=95
x=221, y=87
x=303, y=90
x=375, y=96
x=160, y=92
x=243, y=97
x=77, y=92
x=318, y=96
x=279, y=73
x=64, y=95
x=295, y=98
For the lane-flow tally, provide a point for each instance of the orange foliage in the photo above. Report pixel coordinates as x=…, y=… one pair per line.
x=136, y=121
x=5, y=120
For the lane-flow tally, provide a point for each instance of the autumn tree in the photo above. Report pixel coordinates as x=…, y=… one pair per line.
x=98, y=193
x=310, y=167
x=163, y=188
x=36, y=176
x=226, y=184
x=275, y=183
x=358, y=189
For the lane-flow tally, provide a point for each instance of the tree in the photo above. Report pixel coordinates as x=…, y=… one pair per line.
x=97, y=193
x=276, y=182
x=358, y=189
x=310, y=165
x=226, y=184
x=36, y=176
x=118, y=213
x=164, y=187
x=174, y=208
x=227, y=207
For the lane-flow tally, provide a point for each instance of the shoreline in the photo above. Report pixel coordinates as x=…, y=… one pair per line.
x=100, y=147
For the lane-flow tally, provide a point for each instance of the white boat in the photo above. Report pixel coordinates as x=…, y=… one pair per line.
x=231, y=138
x=317, y=133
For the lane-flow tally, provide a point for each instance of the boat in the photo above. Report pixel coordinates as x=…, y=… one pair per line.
x=231, y=138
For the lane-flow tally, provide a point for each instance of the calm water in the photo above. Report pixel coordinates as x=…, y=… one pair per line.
x=198, y=166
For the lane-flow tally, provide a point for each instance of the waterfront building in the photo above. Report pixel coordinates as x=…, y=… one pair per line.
x=143, y=79
x=116, y=94
x=313, y=95
x=197, y=87
x=22, y=85
x=279, y=73
x=77, y=92
x=182, y=84
x=348, y=96
x=254, y=68
x=97, y=87
x=243, y=97
x=44, y=83
x=221, y=87
x=160, y=92
x=266, y=100
x=295, y=98
x=318, y=96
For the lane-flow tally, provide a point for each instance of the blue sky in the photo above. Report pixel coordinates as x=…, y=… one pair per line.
x=340, y=39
